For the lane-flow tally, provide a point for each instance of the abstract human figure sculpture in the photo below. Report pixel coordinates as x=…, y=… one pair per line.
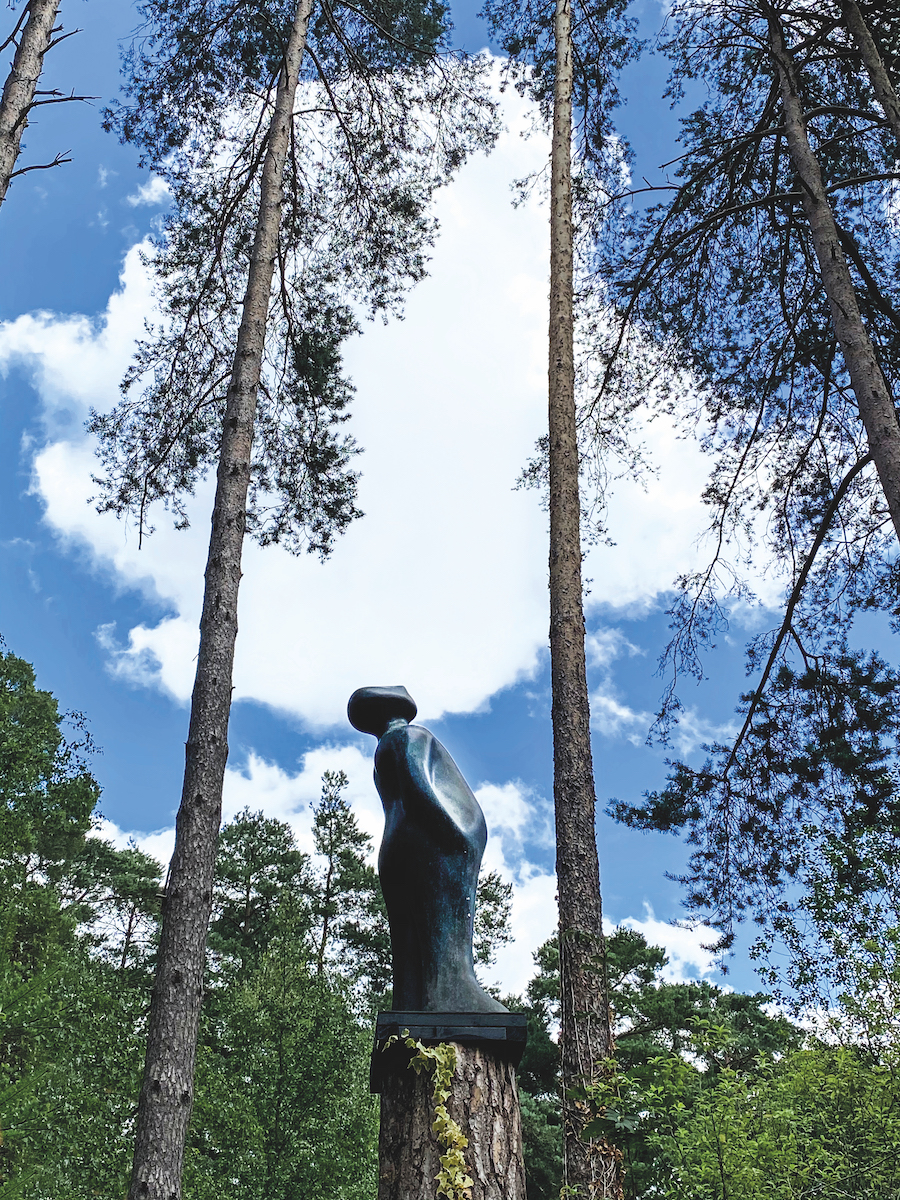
x=434, y=837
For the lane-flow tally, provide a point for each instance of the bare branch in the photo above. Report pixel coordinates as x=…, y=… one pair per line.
x=12, y=37
x=793, y=600
x=57, y=162
x=56, y=98
x=56, y=42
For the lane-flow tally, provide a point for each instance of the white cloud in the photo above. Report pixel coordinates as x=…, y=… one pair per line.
x=533, y=921
x=159, y=844
x=604, y=645
x=75, y=362
x=684, y=945
x=609, y=715
x=694, y=730
x=613, y=718
x=264, y=786
x=655, y=521
x=442, y=586
x=518, y=819
x=154, y=193
x=514, y=814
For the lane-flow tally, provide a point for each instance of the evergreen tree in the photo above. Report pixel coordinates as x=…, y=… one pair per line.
x=304, y=149
x=493, y=909
x=258, y=870
x=768, y=283
x=565, y=70
x=283, y=1108
x=347, y=881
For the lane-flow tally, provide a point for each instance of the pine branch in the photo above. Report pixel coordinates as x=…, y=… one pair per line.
x=793, y=600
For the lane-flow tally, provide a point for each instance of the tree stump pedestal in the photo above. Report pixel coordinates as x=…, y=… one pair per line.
x=483, y=1100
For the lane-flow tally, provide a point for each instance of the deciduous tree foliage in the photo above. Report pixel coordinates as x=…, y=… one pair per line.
x=76, y=921
x=302, y=145
x=655, y=1022
x=820, y=1120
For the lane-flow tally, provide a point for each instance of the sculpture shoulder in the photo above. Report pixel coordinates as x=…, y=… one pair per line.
x=400, y=744
x=420, y=757
x=410, y=763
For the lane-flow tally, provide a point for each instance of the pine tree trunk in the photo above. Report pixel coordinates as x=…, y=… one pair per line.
x=21, y=84
x=876, y=407
x=168, y=1085
x=885, y=92
x=484, y=1101
x=585, y=1039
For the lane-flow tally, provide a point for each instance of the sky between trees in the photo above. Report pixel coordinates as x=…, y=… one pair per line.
x=449, y=403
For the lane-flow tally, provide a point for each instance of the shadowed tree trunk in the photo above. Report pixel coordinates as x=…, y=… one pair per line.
x=484, y=1101
x=21, y=84
x=876, y=406
x=168, y=1085
x=885, y=93
x=593, y=1168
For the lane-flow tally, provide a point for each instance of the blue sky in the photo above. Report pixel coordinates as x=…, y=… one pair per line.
x=449, y=404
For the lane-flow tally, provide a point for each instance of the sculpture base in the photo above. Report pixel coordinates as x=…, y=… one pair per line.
x=502, y=1034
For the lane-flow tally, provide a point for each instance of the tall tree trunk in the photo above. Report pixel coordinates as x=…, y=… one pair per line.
x=591, y=1167
x=168, y=1085
x=21, y=84
x=876, y=407
x=484, y=1101
x=885, y=92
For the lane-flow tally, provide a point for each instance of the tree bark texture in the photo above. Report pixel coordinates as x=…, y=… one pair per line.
x=168, y=1085
x=585, y=1037
x=885, y=92
x=484, y=1101
x=21, y=84
x=876, y=407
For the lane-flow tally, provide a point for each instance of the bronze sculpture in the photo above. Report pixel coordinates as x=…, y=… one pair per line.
x=434, y=837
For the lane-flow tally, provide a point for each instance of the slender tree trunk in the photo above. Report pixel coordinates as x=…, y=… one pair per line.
x=876, y=407
x=484, y=1101
x=168, y=1085
x=21, y=84
x=591, y=1167
x=885, y=92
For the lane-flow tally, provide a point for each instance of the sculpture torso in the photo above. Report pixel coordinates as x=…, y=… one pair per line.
x=434, y=837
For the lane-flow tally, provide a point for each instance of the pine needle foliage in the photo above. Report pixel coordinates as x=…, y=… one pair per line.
x=380, y=122
x=794, y=815
x=722, y=275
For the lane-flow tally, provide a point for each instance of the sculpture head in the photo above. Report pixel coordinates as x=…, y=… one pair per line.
x=371, y=709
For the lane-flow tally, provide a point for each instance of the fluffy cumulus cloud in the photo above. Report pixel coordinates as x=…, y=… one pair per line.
x=520, y=824
x=154, y=194
x=686, y=946
x=263, y=786
x=442, y=584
